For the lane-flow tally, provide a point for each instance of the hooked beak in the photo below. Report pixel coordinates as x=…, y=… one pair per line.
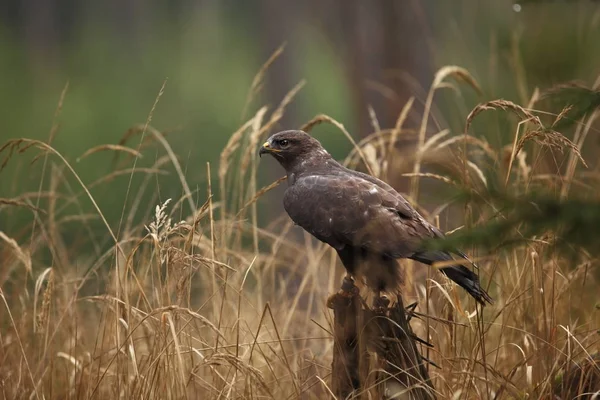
x=266, y=148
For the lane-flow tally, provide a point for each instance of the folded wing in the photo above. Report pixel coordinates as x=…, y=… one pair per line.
x=350, y=210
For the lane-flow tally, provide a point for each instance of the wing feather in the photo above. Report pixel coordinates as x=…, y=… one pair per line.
x=401, y=205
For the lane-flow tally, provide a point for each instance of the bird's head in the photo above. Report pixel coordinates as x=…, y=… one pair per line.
x=291, y=148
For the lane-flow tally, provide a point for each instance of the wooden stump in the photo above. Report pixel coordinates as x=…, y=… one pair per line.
x=375, y=354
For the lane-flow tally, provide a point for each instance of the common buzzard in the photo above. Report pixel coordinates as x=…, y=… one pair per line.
x=364, y=219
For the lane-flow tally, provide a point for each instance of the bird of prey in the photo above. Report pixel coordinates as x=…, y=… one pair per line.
x=364, y=219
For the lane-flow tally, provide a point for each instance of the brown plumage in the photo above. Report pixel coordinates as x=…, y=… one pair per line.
x=364, y=219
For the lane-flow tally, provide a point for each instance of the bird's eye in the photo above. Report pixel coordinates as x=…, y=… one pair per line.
x=284, y=143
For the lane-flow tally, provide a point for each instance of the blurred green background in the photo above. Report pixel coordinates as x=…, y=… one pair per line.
x=116, y=54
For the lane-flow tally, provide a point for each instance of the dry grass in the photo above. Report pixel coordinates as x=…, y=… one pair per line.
x=213, y=305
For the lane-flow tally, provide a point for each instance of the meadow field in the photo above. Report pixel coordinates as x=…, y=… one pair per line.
x=199, y=296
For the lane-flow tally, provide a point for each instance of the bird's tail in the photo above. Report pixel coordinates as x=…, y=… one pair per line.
x=458, y=273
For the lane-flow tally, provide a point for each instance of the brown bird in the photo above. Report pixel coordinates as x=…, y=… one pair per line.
x=364, y=219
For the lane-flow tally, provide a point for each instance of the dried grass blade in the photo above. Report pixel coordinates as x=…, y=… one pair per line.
x=259, y=77
x=12, y=320
x=22, y=255
x=38, y=288
x=110, y=147
x=19, y=203
x=456, y=72
x=260, y=193
x=398, y=126
x=326, y=118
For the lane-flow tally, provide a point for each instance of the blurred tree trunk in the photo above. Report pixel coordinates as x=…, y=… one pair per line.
x=130, y=19
x=385, y=43
x=41, y=35
x=278, y=21
x=360, y=29
x=9, y=14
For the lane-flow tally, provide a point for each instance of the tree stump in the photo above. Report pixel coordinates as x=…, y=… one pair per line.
x=375, y=354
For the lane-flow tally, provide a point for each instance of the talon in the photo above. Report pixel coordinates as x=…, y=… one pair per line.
x=348, y=287
x=384, y=301
x=331, y=300
x=347, y=292
x=348, y=284
x=380, y=303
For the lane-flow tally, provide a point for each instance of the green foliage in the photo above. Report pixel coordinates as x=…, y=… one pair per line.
x=578, y=100
x=569, y=225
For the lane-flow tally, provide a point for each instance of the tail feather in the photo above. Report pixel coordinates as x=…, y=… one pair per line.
x=460, y=274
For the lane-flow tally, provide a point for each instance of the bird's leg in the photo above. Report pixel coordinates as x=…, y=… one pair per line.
x=348, y=291
x=380, y=303
x=348, y=287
